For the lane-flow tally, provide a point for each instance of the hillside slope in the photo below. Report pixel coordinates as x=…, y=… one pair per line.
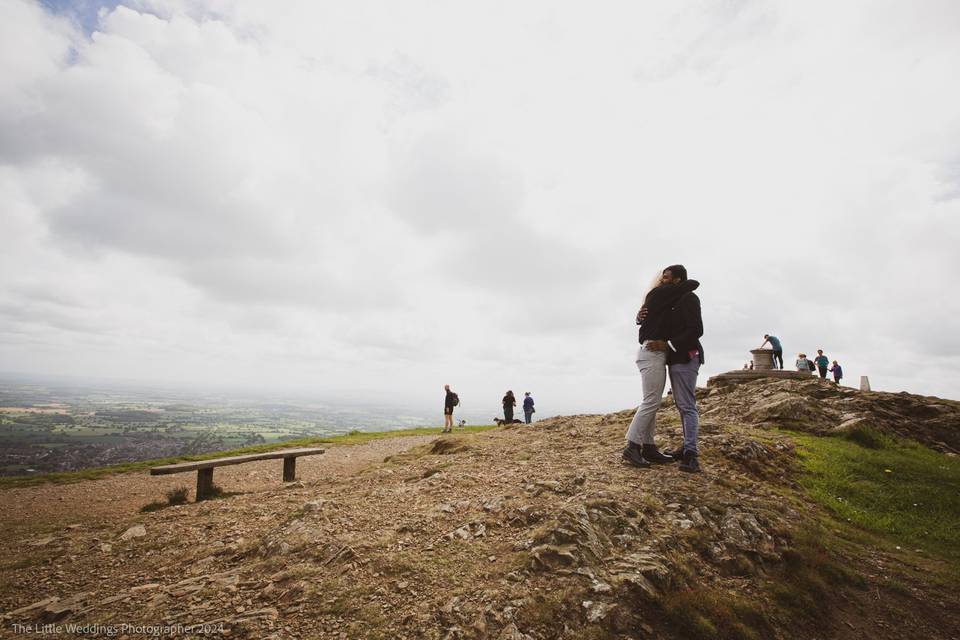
x=522, y=532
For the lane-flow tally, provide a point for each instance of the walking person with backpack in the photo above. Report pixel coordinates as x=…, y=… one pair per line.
x=528, y=408
x=509, y=402
x=804, y=365
x=450, y=401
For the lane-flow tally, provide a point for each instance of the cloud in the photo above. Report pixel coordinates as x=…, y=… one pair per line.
x=376, y=197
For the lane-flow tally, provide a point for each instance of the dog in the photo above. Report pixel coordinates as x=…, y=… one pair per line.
x=500, y=421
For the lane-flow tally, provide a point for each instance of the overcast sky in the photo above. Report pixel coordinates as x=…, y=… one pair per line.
x=379, y=197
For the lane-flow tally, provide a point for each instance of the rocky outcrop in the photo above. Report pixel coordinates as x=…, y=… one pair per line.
x=824, y=408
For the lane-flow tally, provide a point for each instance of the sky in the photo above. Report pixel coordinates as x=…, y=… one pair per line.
x=373, y=199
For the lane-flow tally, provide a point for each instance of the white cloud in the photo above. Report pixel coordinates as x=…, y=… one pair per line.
x=387, y=197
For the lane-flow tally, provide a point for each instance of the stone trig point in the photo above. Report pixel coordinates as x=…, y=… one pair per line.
x=762, y=368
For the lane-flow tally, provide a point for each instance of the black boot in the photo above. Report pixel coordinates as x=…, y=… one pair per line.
x=652, y=454
x=633, y=454
x=676, y=454
x=690, y=464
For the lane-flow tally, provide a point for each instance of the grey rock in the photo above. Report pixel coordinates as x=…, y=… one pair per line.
x=136, y=531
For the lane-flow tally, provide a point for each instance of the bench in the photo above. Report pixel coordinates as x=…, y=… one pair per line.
x=204, y=468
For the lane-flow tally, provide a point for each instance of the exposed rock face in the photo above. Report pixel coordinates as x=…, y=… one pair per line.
x=822, y=407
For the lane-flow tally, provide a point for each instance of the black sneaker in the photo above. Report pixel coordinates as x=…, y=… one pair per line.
x=652, y=454
x=632, y=454
x=690, y=464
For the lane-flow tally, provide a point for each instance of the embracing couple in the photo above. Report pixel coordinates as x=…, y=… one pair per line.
x=670, y=331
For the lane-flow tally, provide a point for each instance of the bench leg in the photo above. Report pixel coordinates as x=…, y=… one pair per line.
x=204, y=483
x=289, y=469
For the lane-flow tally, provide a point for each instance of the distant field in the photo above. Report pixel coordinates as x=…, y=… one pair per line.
x=46, y=430
x=354, y=437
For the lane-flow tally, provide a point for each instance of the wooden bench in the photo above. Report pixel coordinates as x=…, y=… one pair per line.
x=204, y=468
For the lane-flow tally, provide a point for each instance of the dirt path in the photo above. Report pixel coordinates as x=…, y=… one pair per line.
x=120, y=496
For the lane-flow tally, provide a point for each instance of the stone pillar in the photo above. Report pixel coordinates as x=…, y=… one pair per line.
x=864, y=383
x=762, y=359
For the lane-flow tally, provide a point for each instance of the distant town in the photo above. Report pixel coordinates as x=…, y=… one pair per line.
x=46, y=429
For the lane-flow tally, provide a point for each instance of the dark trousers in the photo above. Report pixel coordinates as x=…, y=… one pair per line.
x=528, y=416
x=778, y=355
x=683, y=381
x=823, y=372
x=508, y=414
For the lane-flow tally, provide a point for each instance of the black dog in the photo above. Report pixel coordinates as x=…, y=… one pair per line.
x=500, y=421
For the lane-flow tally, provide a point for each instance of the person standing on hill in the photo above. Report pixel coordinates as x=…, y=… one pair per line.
x=822, y=362
x=684, y=358
x=669, y=286
x=528, y=408
x=777, y=348
x=837, y=372
x=509, y=402
x=802, y=364
x=449, y=402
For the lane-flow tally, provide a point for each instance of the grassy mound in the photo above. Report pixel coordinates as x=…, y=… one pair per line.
x=889, y=486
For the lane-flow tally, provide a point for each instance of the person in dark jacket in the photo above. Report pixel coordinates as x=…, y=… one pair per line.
x=528, y=408
x=684, y=357
x=837, y=372
x=509, y=402
x=450, y=400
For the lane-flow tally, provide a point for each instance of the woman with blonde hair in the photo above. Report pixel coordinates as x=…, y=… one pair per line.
x=672, y=283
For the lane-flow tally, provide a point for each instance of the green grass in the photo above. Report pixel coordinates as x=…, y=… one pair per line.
x=710, y=614
x=348, y=439
x=892, y=487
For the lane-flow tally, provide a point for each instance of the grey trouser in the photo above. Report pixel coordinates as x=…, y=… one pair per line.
x=653, y=376
x=683, y=380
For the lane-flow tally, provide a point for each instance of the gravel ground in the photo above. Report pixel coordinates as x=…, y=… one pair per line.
x=117, y=497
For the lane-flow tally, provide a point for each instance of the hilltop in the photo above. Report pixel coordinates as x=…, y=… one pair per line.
x=536, y=532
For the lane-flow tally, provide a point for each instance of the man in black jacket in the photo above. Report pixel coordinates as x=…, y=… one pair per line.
x=684, y=357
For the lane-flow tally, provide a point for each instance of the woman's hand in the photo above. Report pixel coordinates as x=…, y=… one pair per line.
x=641, y=315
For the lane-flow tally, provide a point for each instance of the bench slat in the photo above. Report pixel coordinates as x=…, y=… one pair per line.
x=222, y=462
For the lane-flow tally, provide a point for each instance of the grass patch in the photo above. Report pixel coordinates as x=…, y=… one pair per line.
x=811, y=575
x=868, y=437
x=892, y=487
x=800, y=592
x=711, y=614
x=348, y=439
